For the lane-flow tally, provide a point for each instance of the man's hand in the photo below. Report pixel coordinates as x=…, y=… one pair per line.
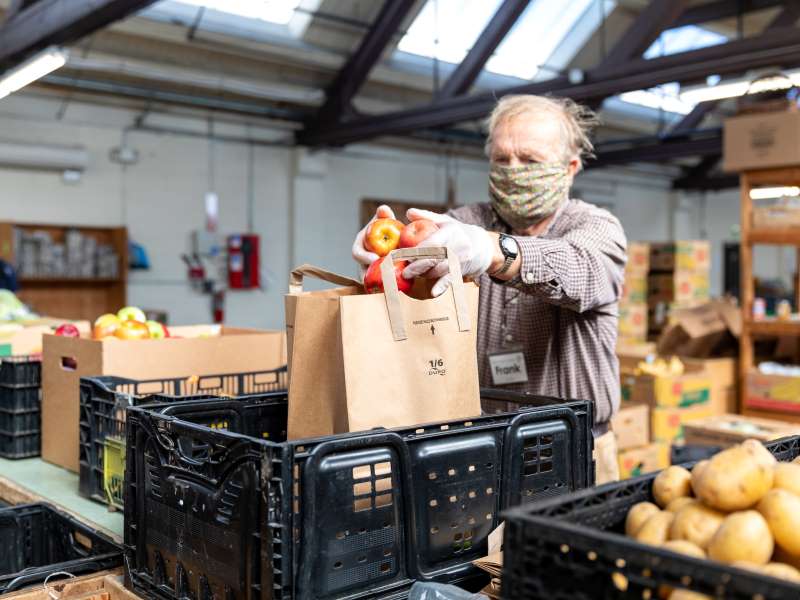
x=472, y=245
x=361, y=255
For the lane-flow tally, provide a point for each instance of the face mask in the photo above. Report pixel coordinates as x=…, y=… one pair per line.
x=525, y=195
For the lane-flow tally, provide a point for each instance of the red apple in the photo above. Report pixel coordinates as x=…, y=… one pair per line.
x=417, y=232
x=68, y=330
x=132, y=330
x=373, y=283
x=383, y=236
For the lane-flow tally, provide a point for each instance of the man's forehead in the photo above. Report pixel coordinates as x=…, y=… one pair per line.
x=529, y=131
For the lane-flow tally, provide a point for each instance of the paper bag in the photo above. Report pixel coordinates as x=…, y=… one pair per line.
x=359, y=361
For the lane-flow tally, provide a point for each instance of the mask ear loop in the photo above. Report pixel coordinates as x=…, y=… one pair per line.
x=53, y=593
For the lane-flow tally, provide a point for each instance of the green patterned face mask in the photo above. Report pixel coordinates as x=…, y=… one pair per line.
x=525, y=195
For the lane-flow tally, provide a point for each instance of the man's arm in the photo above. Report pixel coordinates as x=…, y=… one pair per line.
x=582, y=270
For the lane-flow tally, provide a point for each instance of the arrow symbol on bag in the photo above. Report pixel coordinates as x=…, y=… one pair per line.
x=433, y=330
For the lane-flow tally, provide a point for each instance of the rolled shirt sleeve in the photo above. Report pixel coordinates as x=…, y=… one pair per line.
x=581, y=271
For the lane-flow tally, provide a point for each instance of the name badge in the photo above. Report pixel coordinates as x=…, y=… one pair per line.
x=508, y=367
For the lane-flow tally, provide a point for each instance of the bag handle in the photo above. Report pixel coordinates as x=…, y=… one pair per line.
x=392, y=294
x=306, y=270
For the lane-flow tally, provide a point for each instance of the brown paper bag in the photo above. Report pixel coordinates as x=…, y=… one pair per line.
x=359, y=361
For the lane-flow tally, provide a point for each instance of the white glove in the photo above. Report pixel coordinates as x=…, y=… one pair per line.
x=472, y=246
x=361, y=255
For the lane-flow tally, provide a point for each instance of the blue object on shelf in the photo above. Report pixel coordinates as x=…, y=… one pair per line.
x=137, y=256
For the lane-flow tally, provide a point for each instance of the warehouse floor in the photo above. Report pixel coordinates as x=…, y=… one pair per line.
x=58, y=486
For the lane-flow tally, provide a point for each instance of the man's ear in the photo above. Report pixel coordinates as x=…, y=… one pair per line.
x=574, y=166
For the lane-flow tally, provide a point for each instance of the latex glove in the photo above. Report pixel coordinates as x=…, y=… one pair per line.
x=472, y=245
x=361, y=255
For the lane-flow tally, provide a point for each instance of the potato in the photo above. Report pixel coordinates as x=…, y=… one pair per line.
x=684, y=547
x=696, y=523
x=687, y=595
x=796, y=461
x=638, y=515
x=759, y=452
x=655, y=529
x=678, y=503
x=743, y=536
x=787, y=477
x=673, y=482
x=697, y=471
x=781, y=509
x=781, y=571
x=735, y=479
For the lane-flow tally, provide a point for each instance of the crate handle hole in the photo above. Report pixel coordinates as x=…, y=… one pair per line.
x=385, y=567
x=337, y=564
x=68, y=363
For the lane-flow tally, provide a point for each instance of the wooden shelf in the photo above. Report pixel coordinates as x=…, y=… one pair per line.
x=789, y=236
x=774, y=327
x=68, y=280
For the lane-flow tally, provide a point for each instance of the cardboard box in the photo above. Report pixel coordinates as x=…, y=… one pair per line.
x=632, y=321
x=681, y=255
x=631, y=425
x=762, y=140
x=678, y=287
x=724, y=376
x=638, y=258
x=666, y=424
x=728, y=430
x=670, y=391
x=634, y=290
x=631, y=353
x=66, y=360
x=645, y=459
x=28, y=340
x=773, y=392
x=702, y=331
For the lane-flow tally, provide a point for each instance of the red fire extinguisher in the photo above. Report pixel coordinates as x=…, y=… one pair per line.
x=243, y=261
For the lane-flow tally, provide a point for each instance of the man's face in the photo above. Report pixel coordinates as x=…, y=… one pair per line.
x=529, y=138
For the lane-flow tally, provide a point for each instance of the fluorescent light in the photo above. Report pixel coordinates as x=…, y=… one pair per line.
x=774, y=192
x=735, y=89
x=32, y=69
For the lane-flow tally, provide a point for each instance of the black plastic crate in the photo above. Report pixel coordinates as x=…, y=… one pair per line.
x=21, y=370
x=15, y=444
x=38, y=540
x=103, y=401
x=574, y=547
x=214, y=513
x=20, y=398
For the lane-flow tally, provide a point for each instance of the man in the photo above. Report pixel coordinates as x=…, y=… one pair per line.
x=550, y=269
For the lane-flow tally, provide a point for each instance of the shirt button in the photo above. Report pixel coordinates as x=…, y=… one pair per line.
x=529, y=277
x=509, y=338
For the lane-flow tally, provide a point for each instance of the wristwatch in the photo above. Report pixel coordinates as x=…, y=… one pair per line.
x=510, y=250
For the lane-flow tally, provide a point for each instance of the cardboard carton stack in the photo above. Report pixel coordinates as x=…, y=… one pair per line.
x=79, y=256
x=633, y=305
x=678, y=278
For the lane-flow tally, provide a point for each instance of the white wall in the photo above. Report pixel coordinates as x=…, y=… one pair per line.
x=160, y=198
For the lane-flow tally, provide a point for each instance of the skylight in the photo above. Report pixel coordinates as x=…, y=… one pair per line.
x=667, y=97
x=447, y=29
x=273, y=11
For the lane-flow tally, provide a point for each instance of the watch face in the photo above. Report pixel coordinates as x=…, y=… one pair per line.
x=509, y=245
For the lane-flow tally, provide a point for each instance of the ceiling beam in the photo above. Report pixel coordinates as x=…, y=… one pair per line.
x=722, y=9
x=737, y=56
x=57, y=22
x=495, y=31
x=658, y=149
x=645, y=29
x=694, y=118
x=357, y=67
x=787, y=17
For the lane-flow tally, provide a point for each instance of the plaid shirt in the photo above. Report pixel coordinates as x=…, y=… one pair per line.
x=561, y=310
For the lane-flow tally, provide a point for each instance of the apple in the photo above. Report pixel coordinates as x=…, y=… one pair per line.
x=131, y=313
x=373, y=283
x=132, y=330
x=105, y=326
x=68, y=330
x=106, y=318
x=157, y=330
x=417, y=232
x=383, y=236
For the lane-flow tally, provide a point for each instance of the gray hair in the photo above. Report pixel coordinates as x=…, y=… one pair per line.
x=577, y=121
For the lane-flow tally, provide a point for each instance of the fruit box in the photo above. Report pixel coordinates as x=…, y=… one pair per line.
x=635, y=287
x=773, y=392
x=728, y=430
x=683, y=255
x=66, y=360
x=632, y=321
x=644, y=459
x=574, y=547
x=671, y=391
x=680, y=287
x=638, y=258
x=631, y=425
x=28, y=340
x=666, y=424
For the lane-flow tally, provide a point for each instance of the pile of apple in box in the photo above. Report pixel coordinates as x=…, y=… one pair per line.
x=129, y=323
x=741, y=507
